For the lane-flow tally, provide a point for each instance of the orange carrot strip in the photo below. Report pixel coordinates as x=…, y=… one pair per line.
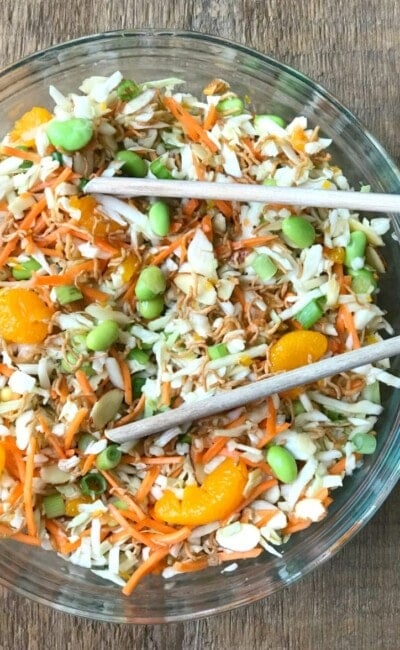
x=153, y=524
x=192, y=128
x=93, y=294
x=15, y=493
x=161, y=460
x=66, y=278
x=238, y=555
x=190, y=207
x=345, y=320
x=270, y=428
x=210, y=118
x=338, y=467
x=73, y=427
x=8, y=533
x=147, y=483
x=252, y=242
x=20, y=153
x=137, y=535
x=28, y=488
x=259, y=489
x=84, y=384
x=225, y=207
x=6, y=370
x=34, y=212
x=133, y=414
x=122, y=493
x=146, y=567
x=15, y=464
x=126, y=375
x=166, y=252
x=166, y=393
x=218, y=444
x=173, y=538
x=50, y=438
x=296, y=527
x=187, y=566
x=206, y=226
x=7, y=250
x=88, y=463
x=65, y=175
x=266, y=517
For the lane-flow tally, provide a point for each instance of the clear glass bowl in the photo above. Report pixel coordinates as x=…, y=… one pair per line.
x=273, y=88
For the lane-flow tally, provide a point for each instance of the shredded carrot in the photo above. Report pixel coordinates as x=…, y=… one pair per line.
x=210, y=118
x=187, y=566
x=259, y=489
x=270, y=427
x=6, y=370
x=266, y=517
x=228, y=556
x=86, y=388
x=88, y=463
x=225, y=207
x=146, y=567
x=15, y=464
x=161, y=460
x=7, y=250
x=139, y=408
x=126, y=375
x=166, y=252
x=345, y=321
x=66, y=278
x=192, y=128
x=50, y=438
x=190, y=207
x=15, y=493
x=20, y=153
x=33, y=212
x=136, y=534
x=28, y=488
x=8, y=533
x=166, y=393
x=93, y=294
x=173, y=538
x=218, y=444
x=74, y=426
x=296, y=527
x=122, y=493
x=156, y=525
x=206, y=226
x=252, y=242
x=147, y=483
x=338, y=467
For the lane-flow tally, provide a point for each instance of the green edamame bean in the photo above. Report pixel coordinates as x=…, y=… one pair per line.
x=355, y=251
x=103, y=336
x=299, y=232
x=365, y=443
x=160, y=170
x=159, y=218
x=133, y=165
x=282, y=463
x=71, y=135
x=230, y=106
x=151, y=309
x=151, y=283
x=263, y=122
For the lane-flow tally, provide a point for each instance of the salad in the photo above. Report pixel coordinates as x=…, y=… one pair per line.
x=113, y=309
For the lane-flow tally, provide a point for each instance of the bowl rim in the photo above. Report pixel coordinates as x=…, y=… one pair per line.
x=326, y=94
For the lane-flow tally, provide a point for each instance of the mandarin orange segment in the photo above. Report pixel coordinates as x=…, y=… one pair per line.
x=25, y=129
x=298, y=139
x=297, y=349
x=219, y=496
x=24, y=317
x=91, y=218
x=129, y=267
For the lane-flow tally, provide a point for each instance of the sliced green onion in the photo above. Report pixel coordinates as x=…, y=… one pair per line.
x=355, y=250
x=363, y=281
x=26, y=164
x=85, y=440
x=298, y=407
x=109, y=457
x=93, y=484
x=160, y=170
x=67, y=293
x=334, y=416
x=56, y=155
x=217, y=351
x=137, y=385
x=127, y=89
x=23, y=271
x=269, y=181
x=138, y=355
x=82, y=183
x=309, y=315
x=53, y=506
x=264, y=267
x=186, y=438
x=69, y=362
x=88, y=370
x=120, y=504
x=364, y=443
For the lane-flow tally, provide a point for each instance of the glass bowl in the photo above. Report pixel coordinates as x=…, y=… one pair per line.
x=273, y=88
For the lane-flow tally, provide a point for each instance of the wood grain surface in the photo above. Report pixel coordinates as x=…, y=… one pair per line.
x=352, y=47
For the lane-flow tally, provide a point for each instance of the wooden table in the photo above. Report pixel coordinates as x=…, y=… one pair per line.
x=352, y=48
